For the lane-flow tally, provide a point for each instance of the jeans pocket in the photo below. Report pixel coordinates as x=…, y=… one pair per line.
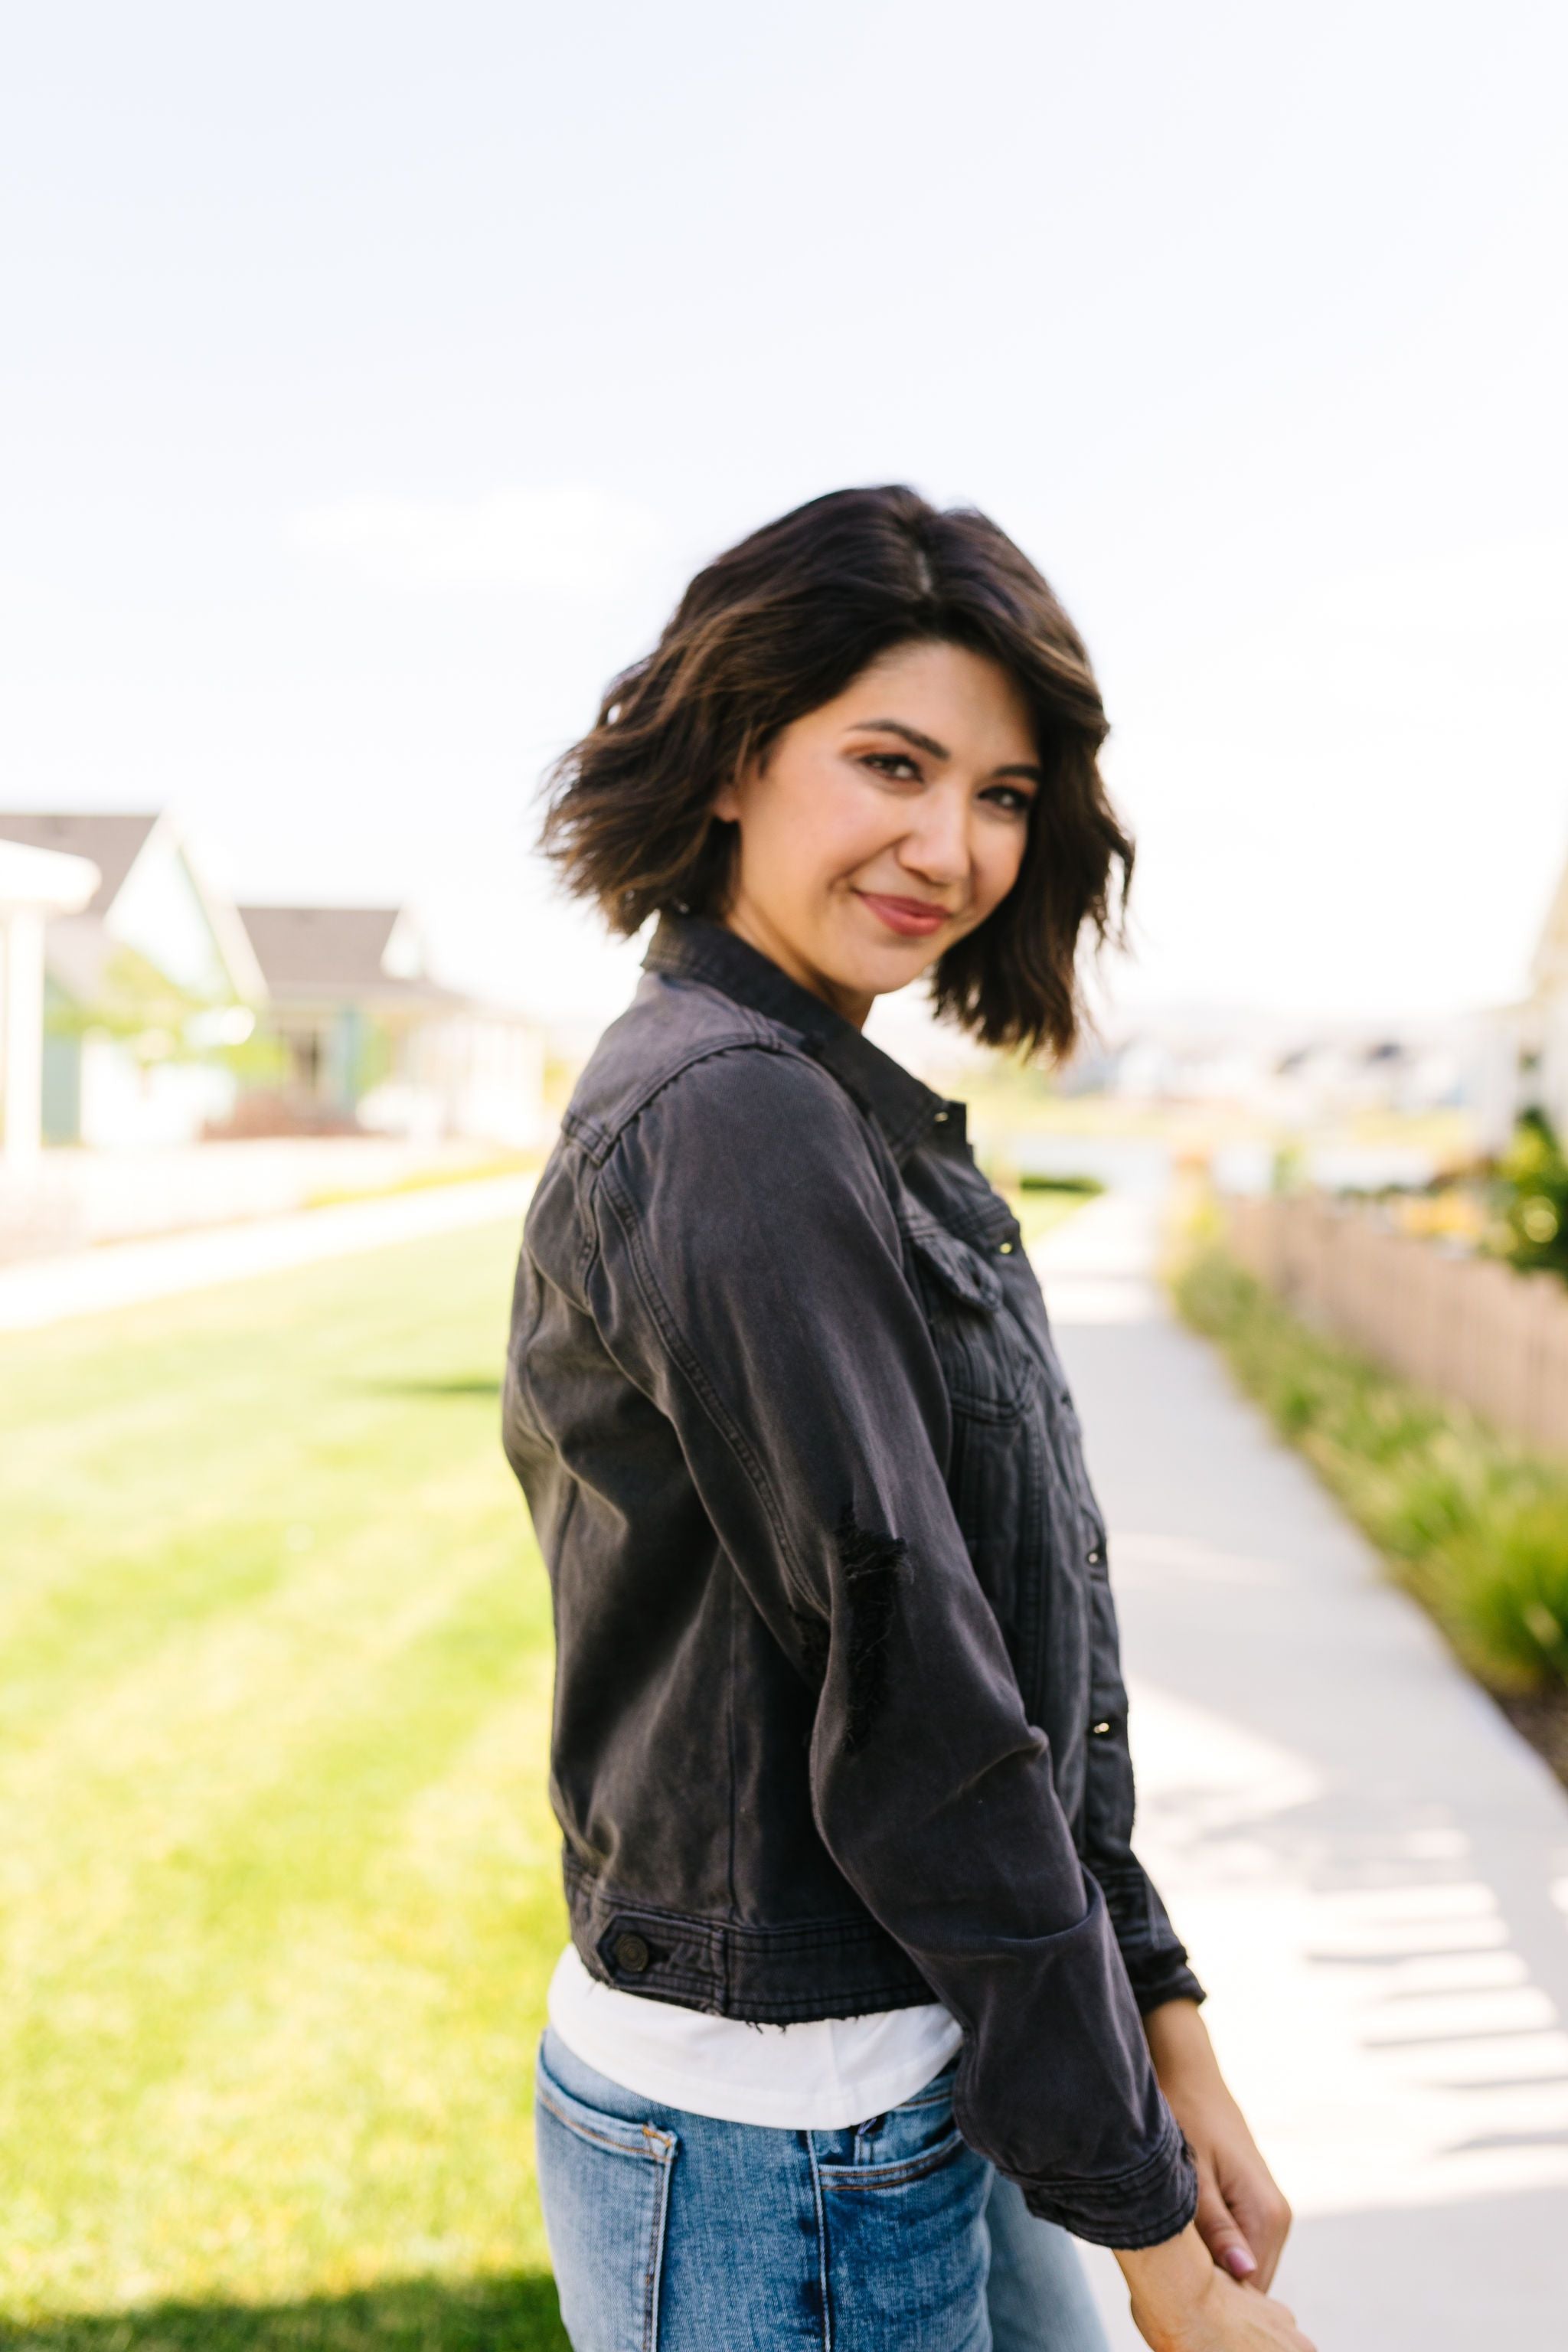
x=903, y=2145
x=904, y=2225
x=604, y=2185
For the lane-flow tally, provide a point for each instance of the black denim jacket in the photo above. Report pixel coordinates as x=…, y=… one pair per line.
x=838, y=1720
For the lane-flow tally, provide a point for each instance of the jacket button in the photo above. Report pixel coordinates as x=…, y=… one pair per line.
x=1004, y=1249
x=631, y=1954
x=1094, y=1557
x=1100, y=1730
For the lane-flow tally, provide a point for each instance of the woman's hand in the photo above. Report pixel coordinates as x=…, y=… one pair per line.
x=1182, y=2303
x=1242, y=2218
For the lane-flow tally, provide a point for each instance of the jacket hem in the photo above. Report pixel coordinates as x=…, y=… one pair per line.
x=793, y=1974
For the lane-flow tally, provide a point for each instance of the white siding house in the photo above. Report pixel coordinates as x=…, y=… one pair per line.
x=143, y=985
x=1525, y=1061
x=373, y=1041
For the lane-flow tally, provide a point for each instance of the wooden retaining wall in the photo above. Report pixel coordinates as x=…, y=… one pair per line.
x=1466, y=1327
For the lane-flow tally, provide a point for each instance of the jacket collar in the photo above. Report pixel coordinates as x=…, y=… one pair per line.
x=692, y=947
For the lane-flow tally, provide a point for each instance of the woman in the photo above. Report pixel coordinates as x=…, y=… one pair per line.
x=868, y=2002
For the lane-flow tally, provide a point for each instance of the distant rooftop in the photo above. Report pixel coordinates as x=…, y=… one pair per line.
x=338, y=951
x=113, y=842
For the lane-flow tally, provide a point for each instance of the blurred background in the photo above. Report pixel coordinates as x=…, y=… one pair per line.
x=374, y=378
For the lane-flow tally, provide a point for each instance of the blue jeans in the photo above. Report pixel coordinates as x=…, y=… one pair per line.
x=675, y=2232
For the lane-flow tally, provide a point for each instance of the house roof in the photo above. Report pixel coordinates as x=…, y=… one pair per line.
x=329, y=951
x=44, y=879
x=113, y=842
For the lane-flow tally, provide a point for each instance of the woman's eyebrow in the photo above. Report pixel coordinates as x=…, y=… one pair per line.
x=940, y=751
x=911, y=735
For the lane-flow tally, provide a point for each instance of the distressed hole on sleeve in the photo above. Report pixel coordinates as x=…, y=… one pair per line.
x=811, y=1634
x=872, y=1564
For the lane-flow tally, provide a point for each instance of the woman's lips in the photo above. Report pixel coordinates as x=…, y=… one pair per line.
x=911, y=918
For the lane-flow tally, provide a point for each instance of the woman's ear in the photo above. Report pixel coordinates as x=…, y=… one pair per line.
x=727, y=802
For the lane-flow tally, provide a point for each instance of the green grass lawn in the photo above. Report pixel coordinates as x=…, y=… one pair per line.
x=278, y=1893
x=1041, y=1207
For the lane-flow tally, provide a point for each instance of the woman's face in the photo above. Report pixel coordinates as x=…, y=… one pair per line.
x=883, y=826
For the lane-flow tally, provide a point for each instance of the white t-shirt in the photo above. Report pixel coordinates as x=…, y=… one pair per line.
x=817, y=2076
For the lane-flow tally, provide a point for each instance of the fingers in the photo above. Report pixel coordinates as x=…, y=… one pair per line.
x=1263, y=2217
x=1220, y=2231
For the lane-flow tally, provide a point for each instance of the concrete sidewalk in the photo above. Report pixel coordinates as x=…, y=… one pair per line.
x=1370, y=1867
x=53, y=1290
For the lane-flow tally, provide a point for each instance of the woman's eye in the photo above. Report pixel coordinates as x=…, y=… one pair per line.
x=897, y=764
x=1010, y=799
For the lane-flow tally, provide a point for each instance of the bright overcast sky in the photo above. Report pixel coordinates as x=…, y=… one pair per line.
x=374, y=374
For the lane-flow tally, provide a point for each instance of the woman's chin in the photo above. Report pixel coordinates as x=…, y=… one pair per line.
x=882, y=975
x=872, y=948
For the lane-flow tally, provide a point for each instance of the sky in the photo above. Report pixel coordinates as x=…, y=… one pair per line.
x=372, y=377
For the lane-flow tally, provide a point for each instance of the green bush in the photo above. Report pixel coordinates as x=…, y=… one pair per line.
x=1532, y=1197
x=1475, y=1527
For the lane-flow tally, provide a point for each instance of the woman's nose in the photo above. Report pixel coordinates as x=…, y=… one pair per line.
x=937, y=845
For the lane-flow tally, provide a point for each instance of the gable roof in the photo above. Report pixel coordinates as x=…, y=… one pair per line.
x=113, y=842
x=326, y=952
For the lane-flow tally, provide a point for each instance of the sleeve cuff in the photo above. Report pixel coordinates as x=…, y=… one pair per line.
x=1143, y=2208
x=1166, y=1976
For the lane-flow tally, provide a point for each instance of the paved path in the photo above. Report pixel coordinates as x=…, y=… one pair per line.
x=51, y=1290
x=1371, y=1868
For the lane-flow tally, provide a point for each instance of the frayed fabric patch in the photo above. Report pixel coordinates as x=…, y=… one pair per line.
x=812, y=1632
x=872, y=1564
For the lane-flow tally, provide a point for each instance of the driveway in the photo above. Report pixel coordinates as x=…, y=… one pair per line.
x=1370, y=1867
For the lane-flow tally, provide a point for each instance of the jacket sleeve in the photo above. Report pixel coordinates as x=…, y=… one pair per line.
x=1153, y=1953
x=750, y=1277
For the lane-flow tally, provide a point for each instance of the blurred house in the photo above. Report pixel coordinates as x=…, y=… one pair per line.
x=142, y=987
x=1523, y=1065
x=166, y=1014
x=34, y=884
x=368, y=1039
x=1294, y=1070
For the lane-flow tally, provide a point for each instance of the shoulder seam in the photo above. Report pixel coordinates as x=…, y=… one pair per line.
x=599, y=1141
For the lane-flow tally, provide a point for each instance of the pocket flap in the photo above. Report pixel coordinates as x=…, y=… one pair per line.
x=958, y=1268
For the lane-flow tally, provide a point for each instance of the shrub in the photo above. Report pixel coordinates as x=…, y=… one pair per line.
x=1511, y=1591
x=1532, y=1197
x=1474, y=1526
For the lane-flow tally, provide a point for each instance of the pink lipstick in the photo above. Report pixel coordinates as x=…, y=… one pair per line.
x=911, y=917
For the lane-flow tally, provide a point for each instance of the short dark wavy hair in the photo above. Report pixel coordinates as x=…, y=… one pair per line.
x=783, y=623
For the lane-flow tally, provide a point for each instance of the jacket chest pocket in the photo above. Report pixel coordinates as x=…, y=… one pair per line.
x=990, y=1369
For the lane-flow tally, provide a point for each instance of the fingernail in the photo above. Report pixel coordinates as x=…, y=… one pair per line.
x=1238, y=2262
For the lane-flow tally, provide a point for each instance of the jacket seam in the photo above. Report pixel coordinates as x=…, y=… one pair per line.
x=680, y=1351
x=734, y=1777
x=684, y=1357
x=803, y=1934
x=759, y=1035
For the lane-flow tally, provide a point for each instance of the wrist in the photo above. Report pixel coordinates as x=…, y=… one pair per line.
x=1167, y=2282
x=1180, y=2047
